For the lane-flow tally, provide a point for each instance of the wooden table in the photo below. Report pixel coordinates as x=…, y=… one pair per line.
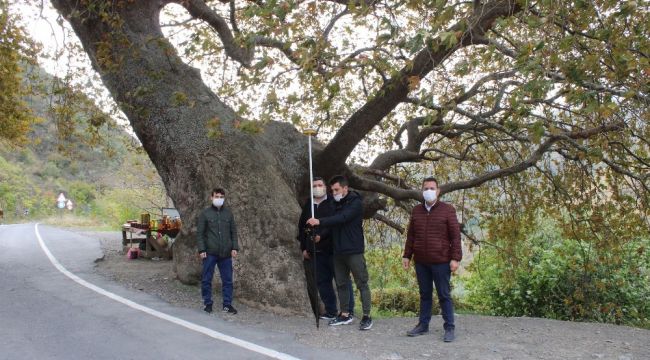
x=153, y=246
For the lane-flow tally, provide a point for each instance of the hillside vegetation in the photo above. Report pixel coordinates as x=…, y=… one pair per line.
x=75, y=149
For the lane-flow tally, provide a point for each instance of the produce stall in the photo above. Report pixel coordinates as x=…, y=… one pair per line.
x=152, y=237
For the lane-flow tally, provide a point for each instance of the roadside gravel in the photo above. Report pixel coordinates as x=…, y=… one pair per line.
x=478, y=337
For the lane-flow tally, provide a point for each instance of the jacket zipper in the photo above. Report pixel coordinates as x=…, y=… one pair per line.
x=426, y=233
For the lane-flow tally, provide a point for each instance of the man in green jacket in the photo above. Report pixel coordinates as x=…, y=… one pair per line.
x=217, y=243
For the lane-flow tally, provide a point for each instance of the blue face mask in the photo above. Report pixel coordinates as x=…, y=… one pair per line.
x=338, y=197
x=218, y=202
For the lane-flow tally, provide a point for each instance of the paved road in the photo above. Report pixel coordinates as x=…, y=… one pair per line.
x=48, y=314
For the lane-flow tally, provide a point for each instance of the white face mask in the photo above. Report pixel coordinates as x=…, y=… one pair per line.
x=319, y=191
x=430, y=195
x=218, y=202
x=338, y=197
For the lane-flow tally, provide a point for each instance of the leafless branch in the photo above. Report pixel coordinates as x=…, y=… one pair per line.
x=401, y=183
x=330, y=26
x=389, y=222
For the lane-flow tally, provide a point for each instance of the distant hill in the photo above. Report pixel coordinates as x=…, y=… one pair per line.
x=100, y=167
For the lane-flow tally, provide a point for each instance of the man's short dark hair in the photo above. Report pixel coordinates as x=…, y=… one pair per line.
x=317, y=178
x=430, y=178
x=218, y=191
x=340, y=179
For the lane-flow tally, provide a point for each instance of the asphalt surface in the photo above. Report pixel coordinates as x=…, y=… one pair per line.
x=46, y=314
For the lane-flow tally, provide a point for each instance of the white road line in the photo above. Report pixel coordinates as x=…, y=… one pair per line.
x=201, y=329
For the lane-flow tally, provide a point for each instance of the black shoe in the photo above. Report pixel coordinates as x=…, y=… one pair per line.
x=229, y=309
x=328, y=316
x=419, y=329
x=366, y=323
x=449, y=335
x=208, y=308
x=340, y=320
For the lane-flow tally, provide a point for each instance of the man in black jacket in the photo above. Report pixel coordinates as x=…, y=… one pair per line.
x=324, y=261
x=349, y=245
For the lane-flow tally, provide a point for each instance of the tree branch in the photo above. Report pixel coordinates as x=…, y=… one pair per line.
x=496, y=174
x=330, y=26
x=531, y=160
x=404, y=194
x=396, y=179
x=389, y=222
x=396, y=89
x=200, y=10
x=366, y=184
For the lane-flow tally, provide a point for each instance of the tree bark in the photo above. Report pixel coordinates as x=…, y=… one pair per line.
x=192, y=139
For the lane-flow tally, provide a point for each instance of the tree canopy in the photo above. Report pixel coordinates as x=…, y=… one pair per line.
x=480, y=89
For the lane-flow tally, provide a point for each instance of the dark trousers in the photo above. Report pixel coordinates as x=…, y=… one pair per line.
x=355, y=264
x=440, y=275
x=225, y=271
x=325, y=275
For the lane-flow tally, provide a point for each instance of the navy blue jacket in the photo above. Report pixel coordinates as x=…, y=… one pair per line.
x=347, y=225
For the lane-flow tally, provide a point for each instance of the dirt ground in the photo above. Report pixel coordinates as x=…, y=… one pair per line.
x=478, y=337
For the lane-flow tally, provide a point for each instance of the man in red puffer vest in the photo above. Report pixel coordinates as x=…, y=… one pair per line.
x=433, y=242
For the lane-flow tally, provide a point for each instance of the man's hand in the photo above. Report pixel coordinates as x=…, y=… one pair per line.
x=233, y=253
x=313, y=222
x=316, y=239
x=203, y=255
x=405, y=263
x=305, y=255
x=453, y=265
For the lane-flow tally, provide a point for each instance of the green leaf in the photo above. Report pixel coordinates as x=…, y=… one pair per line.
x=448, y=39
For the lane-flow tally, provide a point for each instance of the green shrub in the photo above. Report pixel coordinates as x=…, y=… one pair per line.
x=394, y=290
x=385, y=268
x=564, y=279
x=398, y=300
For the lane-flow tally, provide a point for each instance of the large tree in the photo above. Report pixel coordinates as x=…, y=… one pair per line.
x=484, y=90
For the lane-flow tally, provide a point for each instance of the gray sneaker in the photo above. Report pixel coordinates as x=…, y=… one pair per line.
x=328, y=316
x=340, y=320
x=419, y=329
x=449, y=335
x=366, y=323
x=229, y=309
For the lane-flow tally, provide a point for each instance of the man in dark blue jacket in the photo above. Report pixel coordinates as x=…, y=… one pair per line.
x=322, y=245
x=349, y=245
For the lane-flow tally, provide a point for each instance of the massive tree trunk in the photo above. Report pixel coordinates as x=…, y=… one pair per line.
x=192, y=138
